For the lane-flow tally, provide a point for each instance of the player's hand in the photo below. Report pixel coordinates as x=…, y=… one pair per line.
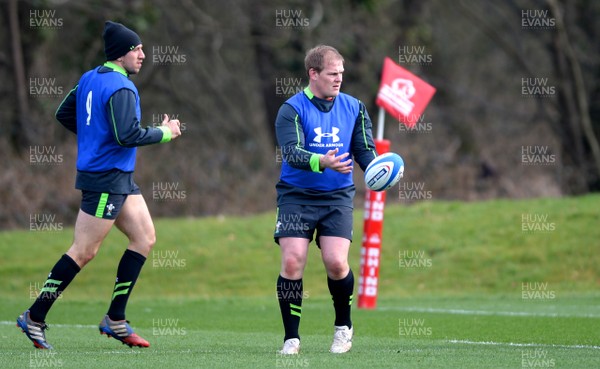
x=173, y=125
x=336, y=163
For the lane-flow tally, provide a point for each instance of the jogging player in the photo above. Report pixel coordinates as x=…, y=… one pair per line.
x=319, y=130
x=103, y=109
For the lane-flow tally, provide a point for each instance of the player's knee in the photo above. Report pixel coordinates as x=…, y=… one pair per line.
x=293, y=265
x=82, y=257
x=151, y=239
x=85, y=258
x=337, y=269
x=148, y=241
x=142, y=243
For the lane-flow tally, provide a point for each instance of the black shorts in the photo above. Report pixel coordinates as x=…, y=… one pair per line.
x=103, y=204
x=302, y=220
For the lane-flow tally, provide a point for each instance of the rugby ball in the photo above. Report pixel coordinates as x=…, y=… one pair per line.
x=384, y=171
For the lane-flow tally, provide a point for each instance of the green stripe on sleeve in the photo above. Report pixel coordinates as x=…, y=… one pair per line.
x=167, y=134
x=101, y=205
x=297, y=131
x=315, y=166
x=364, y=132
x=314, y=158
x=113, y=121
x=65, y=98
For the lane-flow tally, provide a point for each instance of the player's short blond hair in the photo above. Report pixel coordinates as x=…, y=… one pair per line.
x=319, y=55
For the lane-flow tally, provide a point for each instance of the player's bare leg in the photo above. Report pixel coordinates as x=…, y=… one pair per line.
x=135, y=222
x=334, y=251
x=90, y=231
x=294, y=252
x=293, y=256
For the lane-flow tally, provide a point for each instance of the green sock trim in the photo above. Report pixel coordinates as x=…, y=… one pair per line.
x=295, y=310
x=51, y=289
x=123, y=291
x=124, y=284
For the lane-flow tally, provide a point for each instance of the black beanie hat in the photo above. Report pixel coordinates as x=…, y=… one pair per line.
x=118, y=40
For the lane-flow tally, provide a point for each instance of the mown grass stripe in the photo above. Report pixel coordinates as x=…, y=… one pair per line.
x=516, y=344
x=486, y=312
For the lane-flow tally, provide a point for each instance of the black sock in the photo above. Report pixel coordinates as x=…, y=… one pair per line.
x=129, y=269
x=59, y=278
x=341, y=293
x=289, y=294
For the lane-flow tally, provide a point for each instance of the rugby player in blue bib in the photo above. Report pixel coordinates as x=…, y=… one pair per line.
x=103, y=110
x=321, y=132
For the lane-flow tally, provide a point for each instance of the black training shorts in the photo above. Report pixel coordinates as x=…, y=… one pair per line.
x=301, y=221
x=103, y=204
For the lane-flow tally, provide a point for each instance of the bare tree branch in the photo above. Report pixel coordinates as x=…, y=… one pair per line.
x=579, y=87
x=19, y=72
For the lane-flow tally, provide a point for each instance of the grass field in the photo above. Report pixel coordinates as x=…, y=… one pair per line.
x=498, y=284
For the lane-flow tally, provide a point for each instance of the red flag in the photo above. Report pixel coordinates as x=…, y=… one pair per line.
x=402, y=94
